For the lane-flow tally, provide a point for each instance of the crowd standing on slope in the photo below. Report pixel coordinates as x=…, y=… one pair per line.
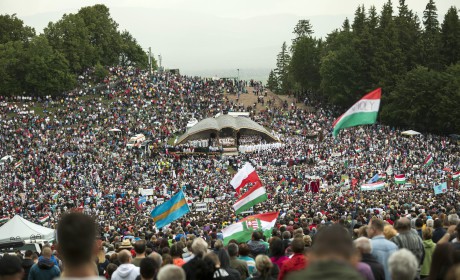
x=69, y=159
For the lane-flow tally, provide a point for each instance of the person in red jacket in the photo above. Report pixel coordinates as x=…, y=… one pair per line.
x=297, y=262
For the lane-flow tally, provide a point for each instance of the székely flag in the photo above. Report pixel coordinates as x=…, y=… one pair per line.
x=171, y=210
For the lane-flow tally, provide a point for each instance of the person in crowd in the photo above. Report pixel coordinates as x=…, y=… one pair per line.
x=439, y=231
x=297, y=262
x=442, y=260
x=403, y=264
x=27, y=263
x=409, y=239
x=266, y=270
x=176, y=254
x=429, y=247
x=126, y=270
x=277, y=254
x=197, y=267
x=139, y=249
x=224, y=263
x=243, y=250
x=110, y=270
x=235, y=263
x=256, y=245
x=169, y=271
x=331, y=256
x=381, y=247
x=148, y=269
x=45, y=269
x=11, y=268
x=364, y=246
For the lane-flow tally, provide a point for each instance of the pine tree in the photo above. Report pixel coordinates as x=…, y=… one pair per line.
x=450, y=37
x=282, y=69
x=431, y=41
x=272, y=82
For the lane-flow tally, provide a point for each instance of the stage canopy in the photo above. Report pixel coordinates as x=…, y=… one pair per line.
x=225, y=125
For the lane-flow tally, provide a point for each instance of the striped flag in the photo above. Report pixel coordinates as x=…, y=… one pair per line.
x=247, y=174
x=171, y=210
x=362, y=112
x=4, y=219
x=44, y=219
x=382, y=177
x=254, y=195
x=18, y=164
x=456, y=175
x=428, y=161
x=400, y=179
x=242, y=231
x=373, y=187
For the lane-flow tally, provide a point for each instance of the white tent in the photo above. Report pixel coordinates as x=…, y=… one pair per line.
x=410, y=133
x=20, y=227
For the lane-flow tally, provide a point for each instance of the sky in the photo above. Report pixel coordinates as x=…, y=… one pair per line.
x=212, y=37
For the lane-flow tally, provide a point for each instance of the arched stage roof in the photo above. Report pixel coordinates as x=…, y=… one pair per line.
x=207, y=126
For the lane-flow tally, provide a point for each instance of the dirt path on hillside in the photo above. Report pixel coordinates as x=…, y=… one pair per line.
x=248, y=99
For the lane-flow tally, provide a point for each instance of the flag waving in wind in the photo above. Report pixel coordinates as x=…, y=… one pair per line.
x=428, y=161
x=247, y=174
x=242, y=231
x=362, y=112
x=171, y=210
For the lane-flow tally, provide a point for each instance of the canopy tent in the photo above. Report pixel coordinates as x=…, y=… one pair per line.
x=20, y=227
x=410, y=133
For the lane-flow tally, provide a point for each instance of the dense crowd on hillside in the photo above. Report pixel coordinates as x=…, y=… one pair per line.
x=68, y=159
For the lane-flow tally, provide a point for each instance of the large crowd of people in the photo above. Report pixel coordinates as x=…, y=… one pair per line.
x=68, y=159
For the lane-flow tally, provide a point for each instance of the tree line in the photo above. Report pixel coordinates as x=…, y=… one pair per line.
x=48, y=63
x=415, y=61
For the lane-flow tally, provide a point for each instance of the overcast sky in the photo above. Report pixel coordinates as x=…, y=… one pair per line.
x=201, y=36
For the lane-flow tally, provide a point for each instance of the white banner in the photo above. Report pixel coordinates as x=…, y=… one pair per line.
x=200, y=207
x=146, y=191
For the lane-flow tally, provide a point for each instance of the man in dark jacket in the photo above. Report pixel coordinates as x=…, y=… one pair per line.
x=45, y=269
x=256, y=246
x=439, y=231
x=27, y=263
x=364, y=246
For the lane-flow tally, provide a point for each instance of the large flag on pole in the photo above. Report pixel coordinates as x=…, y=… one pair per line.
x=254, y=195
x=247, y=174
x=243, y=230
x=362, y=112
x=171, y=210
x=456, y=175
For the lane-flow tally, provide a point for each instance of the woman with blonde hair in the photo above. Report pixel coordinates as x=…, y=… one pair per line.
x=389, y=232
x=265, y=269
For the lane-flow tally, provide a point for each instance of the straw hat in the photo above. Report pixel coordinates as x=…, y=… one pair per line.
x=126, y=244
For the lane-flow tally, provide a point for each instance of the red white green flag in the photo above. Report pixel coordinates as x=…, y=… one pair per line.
x=400, y=179
x=254, y=195
x=456, y=175
x=243, y=230
x=362, y=112
x=428, y=161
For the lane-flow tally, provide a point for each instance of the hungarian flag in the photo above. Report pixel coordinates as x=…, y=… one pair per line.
x=247, y=174
x=456, y=175
x=18, y=164
x=428, y=161
x=373, y=187
x=242, y=231
x=254, y=195
x=362, y=112
x=382, y=177
x=400, y=179
x=44, y=219
x=4, y=219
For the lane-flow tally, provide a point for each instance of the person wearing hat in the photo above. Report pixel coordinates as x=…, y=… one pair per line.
x=11, y=268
